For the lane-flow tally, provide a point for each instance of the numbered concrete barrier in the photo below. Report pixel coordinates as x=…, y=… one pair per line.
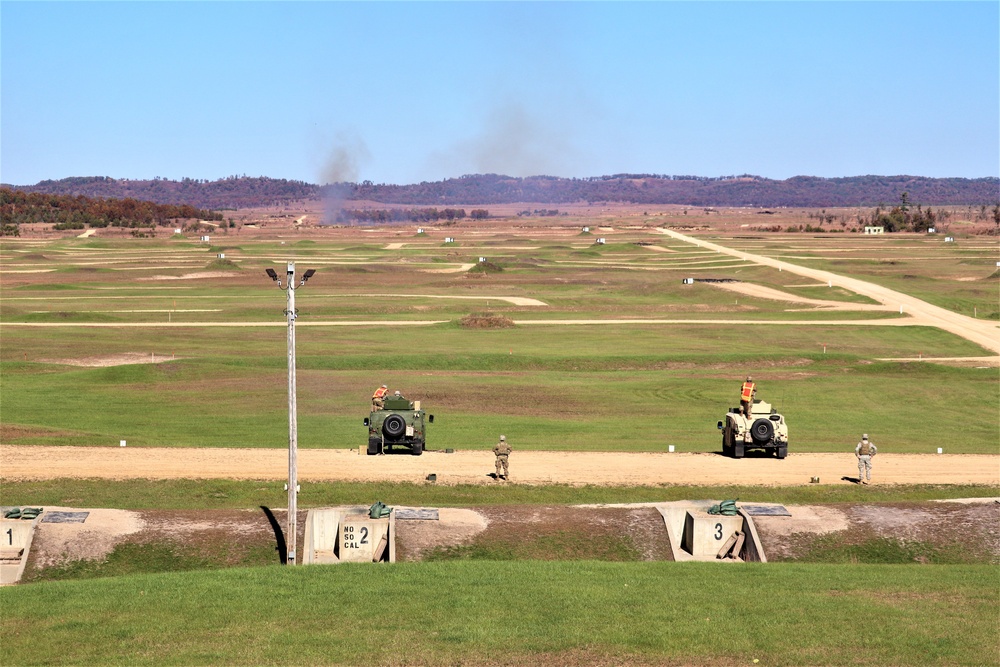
x=348, y=534
x=704, y=534
x=359, y=538
x=14, y=545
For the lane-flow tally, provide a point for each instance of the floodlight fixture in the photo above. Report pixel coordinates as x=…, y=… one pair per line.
x=272, y=274
x=308, y=274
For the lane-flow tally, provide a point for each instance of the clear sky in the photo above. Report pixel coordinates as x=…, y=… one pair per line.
x=410, y=92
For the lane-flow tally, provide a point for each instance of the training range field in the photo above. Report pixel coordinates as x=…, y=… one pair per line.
x=609, y=349
x=166, y=345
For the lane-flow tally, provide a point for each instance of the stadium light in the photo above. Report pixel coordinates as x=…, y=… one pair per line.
x=293, y=448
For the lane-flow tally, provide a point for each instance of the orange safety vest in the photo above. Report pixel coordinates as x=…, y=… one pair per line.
x=747, y=394
x=380, y=392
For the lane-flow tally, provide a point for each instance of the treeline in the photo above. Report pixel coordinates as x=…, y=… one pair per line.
x=233, y=192
x=730, y=191
x=78, y=212
x=486, y=189
x=385, y=215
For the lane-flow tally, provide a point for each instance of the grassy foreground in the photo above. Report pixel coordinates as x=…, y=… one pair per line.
x=235, y=494
x=474, y=613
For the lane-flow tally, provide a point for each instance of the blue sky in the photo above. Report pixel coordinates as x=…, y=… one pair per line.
x=409, y=92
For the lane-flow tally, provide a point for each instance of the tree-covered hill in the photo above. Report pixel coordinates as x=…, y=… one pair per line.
x=745, y=190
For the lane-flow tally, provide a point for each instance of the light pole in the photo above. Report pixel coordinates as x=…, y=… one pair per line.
x=293, y=427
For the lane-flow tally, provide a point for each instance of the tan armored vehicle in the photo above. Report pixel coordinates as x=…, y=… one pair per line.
x=765, y=429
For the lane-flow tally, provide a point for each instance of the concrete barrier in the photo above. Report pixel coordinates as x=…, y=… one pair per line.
x=348, y=534
x=15, y=543
x=696, y=535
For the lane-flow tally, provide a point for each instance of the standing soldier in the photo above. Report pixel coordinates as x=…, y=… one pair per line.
x=378, y=398
x=865, y=451
x=502, y=450
x=747, y=392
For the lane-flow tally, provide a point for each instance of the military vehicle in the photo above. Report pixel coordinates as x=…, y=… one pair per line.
x=765, y=429
x=400, y=423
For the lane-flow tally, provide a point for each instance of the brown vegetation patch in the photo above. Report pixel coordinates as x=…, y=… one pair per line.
x=933, y=531
x=486, y=321
x=532, y=532
x=11, y=433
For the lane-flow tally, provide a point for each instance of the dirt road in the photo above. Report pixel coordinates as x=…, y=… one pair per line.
x=526, y=467
x=982, y=332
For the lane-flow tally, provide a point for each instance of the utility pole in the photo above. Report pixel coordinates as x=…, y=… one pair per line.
x=291, y=536
x=293, y=424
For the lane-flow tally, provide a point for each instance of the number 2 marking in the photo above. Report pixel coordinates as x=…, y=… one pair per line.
x=718, y=531
x=364, y=535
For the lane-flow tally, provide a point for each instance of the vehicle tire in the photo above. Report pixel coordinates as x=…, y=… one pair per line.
x=727, y=449
x=762, y=431
x=394, y=426
x=738, y=451
x=782, y=452
x=417, y=448
x=373, y=447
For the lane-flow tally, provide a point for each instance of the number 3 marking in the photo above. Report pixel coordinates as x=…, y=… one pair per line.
x=718, y=531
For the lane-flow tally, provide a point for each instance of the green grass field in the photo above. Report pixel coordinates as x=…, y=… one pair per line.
x=512, y=613
x=239, y=494
x=618, y=387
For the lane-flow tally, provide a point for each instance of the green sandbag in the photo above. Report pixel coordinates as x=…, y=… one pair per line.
x=379, y=510
x=725, y=508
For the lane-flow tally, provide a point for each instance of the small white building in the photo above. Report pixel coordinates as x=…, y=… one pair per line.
x=601, y=241
x=874, y=230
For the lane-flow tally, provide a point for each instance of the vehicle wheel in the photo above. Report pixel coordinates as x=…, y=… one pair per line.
x=762, y=430
x=727, y=449
x=738, y=451
x=782, y=452
x=373, y=447
x=394, y=426
x=417, y=448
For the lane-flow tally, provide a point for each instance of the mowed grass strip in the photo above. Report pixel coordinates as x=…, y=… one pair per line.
x=543, y=402
x=239, y=494
x=575, y=613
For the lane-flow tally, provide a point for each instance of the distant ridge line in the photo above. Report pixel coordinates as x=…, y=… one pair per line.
x=485, y=189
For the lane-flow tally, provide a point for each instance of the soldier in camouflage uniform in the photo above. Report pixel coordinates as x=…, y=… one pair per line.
x=502, y=451
x=865, y=451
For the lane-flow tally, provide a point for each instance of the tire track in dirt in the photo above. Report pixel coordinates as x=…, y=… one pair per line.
x=983, y=333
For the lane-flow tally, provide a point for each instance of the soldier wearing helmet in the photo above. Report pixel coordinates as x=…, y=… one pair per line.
x=502, y=451
x=747, y=393
x=865, y=451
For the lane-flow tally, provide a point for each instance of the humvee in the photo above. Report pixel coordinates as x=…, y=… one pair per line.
x=400, y=422
x=765, y=429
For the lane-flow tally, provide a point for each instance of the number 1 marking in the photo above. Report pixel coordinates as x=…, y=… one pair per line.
x=10, y=536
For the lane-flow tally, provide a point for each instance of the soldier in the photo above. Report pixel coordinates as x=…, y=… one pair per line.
x=502, y=451
x=865, y=451
x=378, y=398
x=747, y=393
